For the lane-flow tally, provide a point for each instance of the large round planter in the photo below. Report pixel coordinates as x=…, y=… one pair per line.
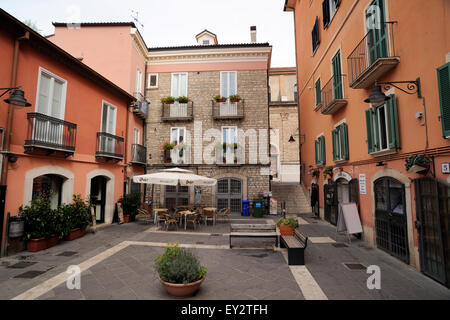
x=286, y=230
x=182, y=290
x=52, y=241
x=34, y=245
x=126, y=218
x=75, y=233
x=132, y=218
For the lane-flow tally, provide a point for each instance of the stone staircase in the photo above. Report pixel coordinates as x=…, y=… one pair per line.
x=297, y=200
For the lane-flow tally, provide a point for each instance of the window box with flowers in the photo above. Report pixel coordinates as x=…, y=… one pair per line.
x=168, y=100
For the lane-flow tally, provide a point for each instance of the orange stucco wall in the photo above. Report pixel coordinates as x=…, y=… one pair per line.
x=422, y=47
x=107, y=49
x=83, y=107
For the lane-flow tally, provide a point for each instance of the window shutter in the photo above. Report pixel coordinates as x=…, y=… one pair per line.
x=393, y=123
x=318, y=93
x=337, y=3
x=322, y=138
x=334, y=135
x=326, y=13
x=345, y=141
x=369, y=126
x=444, y=97
x=316, y=152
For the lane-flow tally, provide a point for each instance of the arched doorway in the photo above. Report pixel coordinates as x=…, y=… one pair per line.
x=98, y=197
x=229, y=194
x=391, y=218
x=48, y=186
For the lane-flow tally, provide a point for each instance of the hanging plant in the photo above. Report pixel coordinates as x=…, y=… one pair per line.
x=328, y=171
x=417, y=163
x=315, y=173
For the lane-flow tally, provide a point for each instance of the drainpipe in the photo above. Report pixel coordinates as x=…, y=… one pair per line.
x=144, y=123
x=125, y=158
x=298, y=101
x=8, y=131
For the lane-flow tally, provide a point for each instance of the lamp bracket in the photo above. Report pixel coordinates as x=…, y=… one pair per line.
x=412, y=87
x=8, y=90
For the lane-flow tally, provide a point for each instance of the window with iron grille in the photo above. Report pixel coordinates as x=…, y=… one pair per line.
x=315, y=35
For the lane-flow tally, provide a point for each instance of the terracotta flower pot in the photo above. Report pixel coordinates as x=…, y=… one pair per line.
x=286, y=230
x=169, y=102
x=34, y=245
x=132, y=218
x=221, y=100
x=235, y=100
x=52, y=241
x=182, y=290
x=126, y=218
x=75, y=233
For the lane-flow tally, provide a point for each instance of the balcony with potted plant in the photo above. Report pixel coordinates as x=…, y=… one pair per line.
x=177, y=109
x=167, y=149
x=231, y=108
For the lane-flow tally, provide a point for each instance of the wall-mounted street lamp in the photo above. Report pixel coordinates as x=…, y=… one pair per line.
x=16, y=98
x=292, y=139
x=377, y=97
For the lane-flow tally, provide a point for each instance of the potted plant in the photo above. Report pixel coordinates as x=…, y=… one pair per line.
x=37, y=223
x=168, y=100
x=182, y=99
x=287, y=226
x=179, y=271
x=417, y=163
x=235, y=98
x=79, y=219
x=167, y=147
x=130, y=204
x=328, y=171
x=220, y=99
x=315, y=173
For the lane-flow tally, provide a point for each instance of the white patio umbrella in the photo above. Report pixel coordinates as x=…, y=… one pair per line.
x=173, y=177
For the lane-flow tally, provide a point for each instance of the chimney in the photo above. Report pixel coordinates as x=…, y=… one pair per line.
x=253, y=34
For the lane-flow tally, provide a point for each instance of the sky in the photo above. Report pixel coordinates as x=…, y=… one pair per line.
x=174, y=22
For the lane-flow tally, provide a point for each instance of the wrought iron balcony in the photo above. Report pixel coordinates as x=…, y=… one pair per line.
x=45, y=132
x=372, y=59
x=141, y=109
x=228, y=110
x=333, y=95
x=138, y=154
x=109, y=146
x=178, y=111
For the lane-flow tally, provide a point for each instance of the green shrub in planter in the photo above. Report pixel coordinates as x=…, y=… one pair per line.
x=81, y=213
x=179, y=265
x=292, y=222
x=39, y=219
x=131, y=203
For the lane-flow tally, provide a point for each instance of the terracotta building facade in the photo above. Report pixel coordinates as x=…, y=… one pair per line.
x=389, y=153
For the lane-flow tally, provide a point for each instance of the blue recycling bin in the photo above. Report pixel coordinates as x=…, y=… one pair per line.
x=246, y=208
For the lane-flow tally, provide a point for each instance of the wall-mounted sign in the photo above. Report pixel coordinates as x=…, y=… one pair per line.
x=446, y=168
x=343, y=175
x=362, y=184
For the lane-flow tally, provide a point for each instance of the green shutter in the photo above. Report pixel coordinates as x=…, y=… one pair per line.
x=345, y=142
x=369, y=125
x=337, y=78
x=318, y=93
x=323, y=150
x=393, y=122
x=335, y=145
x=444, y=97
x=316, y=152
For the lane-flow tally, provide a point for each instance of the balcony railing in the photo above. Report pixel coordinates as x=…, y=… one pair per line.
x=141, y=109
x=178, y=155
x=333, y=95
x=50, y=133
x=228, y=110
x=178, y=111
x=371, y=58
x=138, y=154
x=109, y=146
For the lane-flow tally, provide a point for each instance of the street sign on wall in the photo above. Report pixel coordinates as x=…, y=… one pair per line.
x=362, y=184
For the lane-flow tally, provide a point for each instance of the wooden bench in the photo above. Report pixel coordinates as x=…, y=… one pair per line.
x=253, y=231
x=296, y=246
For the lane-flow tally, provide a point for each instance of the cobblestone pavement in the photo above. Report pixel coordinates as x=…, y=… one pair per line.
x=118, y=264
